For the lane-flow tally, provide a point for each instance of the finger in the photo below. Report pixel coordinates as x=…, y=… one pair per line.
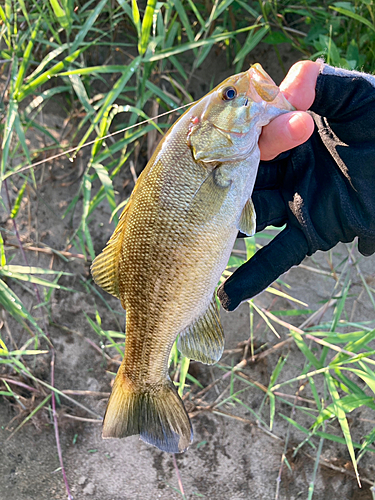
x=366, y=245
x=270, y=209
x=299, y=84
x=285, y=132
x=290, y=130
x=288, y=249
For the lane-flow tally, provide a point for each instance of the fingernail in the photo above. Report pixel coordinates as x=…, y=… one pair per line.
x=297, y=127
x=292, y=75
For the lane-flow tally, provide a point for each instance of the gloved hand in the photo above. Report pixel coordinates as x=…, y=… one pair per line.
x=323, y=190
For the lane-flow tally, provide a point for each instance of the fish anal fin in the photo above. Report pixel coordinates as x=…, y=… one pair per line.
x=155, y=412
x=104, y=268
x=204, y=340
x=247, y=223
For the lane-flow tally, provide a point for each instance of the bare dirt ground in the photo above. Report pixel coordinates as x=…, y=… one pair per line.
x=232, y=457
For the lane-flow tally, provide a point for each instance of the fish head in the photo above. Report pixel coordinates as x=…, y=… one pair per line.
x=225, y=125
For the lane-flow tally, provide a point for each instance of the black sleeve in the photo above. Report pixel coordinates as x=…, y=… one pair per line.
x=323, y=190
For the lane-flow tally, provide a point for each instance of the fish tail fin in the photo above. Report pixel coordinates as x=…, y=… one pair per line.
x=155, y=412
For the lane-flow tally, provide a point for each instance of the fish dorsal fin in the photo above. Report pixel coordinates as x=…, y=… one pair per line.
x=204, y=339
x=248, y=219
x=104, y=268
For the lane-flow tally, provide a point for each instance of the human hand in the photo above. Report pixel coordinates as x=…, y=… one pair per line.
x=289, y=130
x=324, y=189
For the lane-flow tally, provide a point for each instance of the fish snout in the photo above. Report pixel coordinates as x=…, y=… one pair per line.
x=263, y=89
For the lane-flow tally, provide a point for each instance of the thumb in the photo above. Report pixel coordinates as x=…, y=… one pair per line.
x=288, y=249
x=285, y=132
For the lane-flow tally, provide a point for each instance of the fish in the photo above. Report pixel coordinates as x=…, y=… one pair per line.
x=171, y=245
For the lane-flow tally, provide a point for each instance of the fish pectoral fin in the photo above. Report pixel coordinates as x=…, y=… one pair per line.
x=204, y=339
x=211, y=193
x=156, y=413
x=104, y=268
x=247, y=223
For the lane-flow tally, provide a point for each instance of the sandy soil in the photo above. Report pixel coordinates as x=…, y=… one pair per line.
x=231, y=458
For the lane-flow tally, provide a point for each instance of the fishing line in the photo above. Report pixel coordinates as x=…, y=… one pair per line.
x=32, y=165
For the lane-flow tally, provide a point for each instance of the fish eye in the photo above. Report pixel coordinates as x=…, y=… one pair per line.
x=229, y=93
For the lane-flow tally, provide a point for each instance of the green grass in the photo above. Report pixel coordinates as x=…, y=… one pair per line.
x=54, y=51
x=339, y=360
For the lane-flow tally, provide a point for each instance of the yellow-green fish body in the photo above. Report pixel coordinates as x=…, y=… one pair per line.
x=171, y=246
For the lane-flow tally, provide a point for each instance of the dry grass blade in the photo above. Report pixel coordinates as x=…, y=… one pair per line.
x=82, y=419
x=179, y=479
x=342, y=470
x=73, y=392
x=49, y=251
x=30, y=416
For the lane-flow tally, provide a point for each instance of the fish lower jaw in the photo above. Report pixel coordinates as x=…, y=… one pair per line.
x=242, y=153
x=239, y=155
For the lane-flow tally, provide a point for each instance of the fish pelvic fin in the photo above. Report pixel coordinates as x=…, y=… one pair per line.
x=104, y=268
x=248, y=219
x=155, y=412
x=204, y=339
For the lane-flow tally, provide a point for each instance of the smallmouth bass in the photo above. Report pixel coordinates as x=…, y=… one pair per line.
x=172, y=243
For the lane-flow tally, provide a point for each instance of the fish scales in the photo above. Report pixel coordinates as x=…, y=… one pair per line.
x=171, y=245
x=171, y=236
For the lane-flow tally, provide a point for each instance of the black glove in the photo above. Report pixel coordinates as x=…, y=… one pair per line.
x=323, y=190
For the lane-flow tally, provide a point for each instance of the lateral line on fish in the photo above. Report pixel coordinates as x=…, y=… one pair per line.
x=90, y=143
